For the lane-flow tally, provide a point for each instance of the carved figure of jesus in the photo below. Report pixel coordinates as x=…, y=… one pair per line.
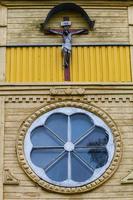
x=67, y=41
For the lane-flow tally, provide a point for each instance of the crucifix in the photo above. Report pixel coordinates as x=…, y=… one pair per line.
x=66, y=34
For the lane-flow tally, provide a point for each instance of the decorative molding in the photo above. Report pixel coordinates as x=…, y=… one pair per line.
x=73, y=96
x=128, y=179
x=39, y=4
x=9, y=178
x=26, y=99
x=41, y=89
x=109, y=98
x=67, y=91
x=97, y=111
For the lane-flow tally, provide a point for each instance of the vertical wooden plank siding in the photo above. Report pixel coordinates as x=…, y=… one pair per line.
x=88, y=64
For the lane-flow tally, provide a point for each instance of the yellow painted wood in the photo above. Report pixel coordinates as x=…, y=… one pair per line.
x=88, y=64
x=111, y=25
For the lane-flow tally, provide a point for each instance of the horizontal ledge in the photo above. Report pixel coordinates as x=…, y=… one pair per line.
x=74, y=45
x=118, y=3
x=67, y=83
x=108, y=88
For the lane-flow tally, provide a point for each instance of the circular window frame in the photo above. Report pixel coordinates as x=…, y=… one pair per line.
x=63, y=189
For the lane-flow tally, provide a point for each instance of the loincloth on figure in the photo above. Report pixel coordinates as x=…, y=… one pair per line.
x=64, y=49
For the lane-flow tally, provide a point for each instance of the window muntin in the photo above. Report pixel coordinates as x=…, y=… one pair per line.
x=67, y=156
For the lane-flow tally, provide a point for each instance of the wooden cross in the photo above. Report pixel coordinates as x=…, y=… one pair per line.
x=66, y=34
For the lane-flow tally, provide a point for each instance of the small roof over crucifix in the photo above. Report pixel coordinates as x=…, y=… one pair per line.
x=68, y=7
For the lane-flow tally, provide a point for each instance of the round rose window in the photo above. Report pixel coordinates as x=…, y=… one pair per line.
x=69, y=147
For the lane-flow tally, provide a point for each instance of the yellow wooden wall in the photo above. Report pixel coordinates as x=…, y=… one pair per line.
x=111, y=24
x=88, y=64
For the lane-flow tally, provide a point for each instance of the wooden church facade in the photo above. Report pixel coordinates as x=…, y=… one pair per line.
x=32, y=84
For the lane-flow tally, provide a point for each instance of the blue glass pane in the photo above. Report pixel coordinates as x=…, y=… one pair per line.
x=99, y=157
x=98, y=137
x=59, y=172
x=95, y=157
x=86, y=157
x=42, y=157
x=58, y=123
x=41, y=136
x=80, y=172
x=80, y=124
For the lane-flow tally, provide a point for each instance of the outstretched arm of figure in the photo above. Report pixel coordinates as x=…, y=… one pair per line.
x=80, y=31
x=54, y=32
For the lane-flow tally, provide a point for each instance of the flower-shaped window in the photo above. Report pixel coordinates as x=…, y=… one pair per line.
x=69, y=147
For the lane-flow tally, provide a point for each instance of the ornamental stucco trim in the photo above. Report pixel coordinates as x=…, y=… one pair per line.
x=92, y=98
x=60, y=189
x=9, y=178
